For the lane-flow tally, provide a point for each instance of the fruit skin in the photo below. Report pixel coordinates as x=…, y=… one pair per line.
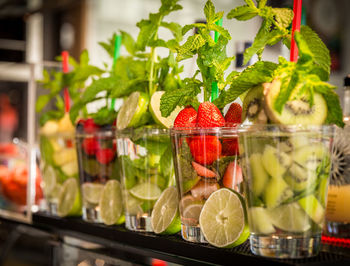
x=253, y=105
x=90, y=145
x=230, y=147
x=186, y=118
x=205, y=149
x=105, y=156
x=234, y=114
x=233, y=176
x=90, y=126
x=209, y=116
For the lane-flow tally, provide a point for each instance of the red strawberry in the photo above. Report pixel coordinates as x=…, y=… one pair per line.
x=90, y=126
x=205, y=149
x=105, y=156
x=234, y=114
x=203, y=171
x=90, y=145
x=186, y=118
x=233, y=176
x=209, y=116
x=230, y=147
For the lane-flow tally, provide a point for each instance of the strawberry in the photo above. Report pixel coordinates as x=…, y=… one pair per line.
x=90, y=145
x=233, y=176
x=234, y=114
x=209, y=116
x=205, y=149
x=105, y=156
x=203, y=171
x=90, y=126
x=186, y=118
x=230, y=147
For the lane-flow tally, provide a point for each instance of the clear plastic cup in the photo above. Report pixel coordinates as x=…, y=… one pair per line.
x=147, y=168
x=286, y=172
x=206, y=159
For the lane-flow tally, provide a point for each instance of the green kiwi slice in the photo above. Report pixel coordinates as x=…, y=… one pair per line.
x=253, y=110
x=275, y=162
x=258, y=174
x=297, y=110
x=313, y=208
x=276, y=192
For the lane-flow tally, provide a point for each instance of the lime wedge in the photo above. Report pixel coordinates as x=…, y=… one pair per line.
x=290, y=217
x=132, y=110
x=111, y=202
x=165, y=215
x=49, y=180
x=132, y=205
x=260, y=221
x=154, y=108
x=69, y=201
x=146, y=191
x=223, y=219
x=92, y=192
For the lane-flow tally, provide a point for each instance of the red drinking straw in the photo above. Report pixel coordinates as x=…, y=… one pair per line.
x=65, y=67
x=295, y=27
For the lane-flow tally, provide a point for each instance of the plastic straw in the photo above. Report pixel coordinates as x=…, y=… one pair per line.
x=117, y=44
x=65, y=67
x=214, y=85
x=295, y=27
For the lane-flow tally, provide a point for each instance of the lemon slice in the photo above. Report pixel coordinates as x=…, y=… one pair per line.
x=223, y=219
x=165, y=217
x=49, y=180
x=111, y=202
x=146, y=191
x=92, y=192
x=69, y=200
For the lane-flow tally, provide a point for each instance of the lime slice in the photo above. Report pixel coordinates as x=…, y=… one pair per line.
x=154, y=108
x=146, y=191
x=191, y=213
x=223, y=219
x=259, y=221
x=290, y=217
x=111, y=202
x=132, y=204
x=92, y=192
x=69, y=201
x=132, y=110
x=70, y=169
x=49, y=180
x=55, y=193
x=165, y=215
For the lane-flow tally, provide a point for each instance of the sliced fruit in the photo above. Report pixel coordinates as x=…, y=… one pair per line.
x=290, y=217
x=49, y=128
x=70, y=169
x=90, y=126
x=49, y=180
x=252, y=110
x=311, y=155
x=55, y=193
x=65, y=156
x=223, y=219
x=105, y=156
x=65, y=124
x=300, y=178
x=92, y=192
x=230, y=147
x=258, y=174
x=165, y=217
x=69, y=199
x=186, y=118
x=190, y=214
x=205, y=149
x=133, y=205
x=203, y=189
x=90, y=145
x=295, y=111
x=146, y=191
x=233, y=176
x=154, y=108
x=275, y=162
x=209, y=116
x=259, y=221
x=203, y=171
x=111, y=202
x=276, y=191
x=132, y=110
x=313, y=208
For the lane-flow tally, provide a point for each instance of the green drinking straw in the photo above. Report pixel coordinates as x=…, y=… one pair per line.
x=214, y=85
x=117, y=44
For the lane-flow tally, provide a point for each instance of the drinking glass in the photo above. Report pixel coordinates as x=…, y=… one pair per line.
x=286, y=172
x=205, y=159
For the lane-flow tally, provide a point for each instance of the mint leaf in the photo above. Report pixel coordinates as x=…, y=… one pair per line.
x=175, y=28
x=283, y=16
x=128, y=42
x=253, y=75
x=220, y=30
x=209, y=11
x=335, y=114
x=193, y=43
x=104, y=116
x=42, y=101
x=243, y=13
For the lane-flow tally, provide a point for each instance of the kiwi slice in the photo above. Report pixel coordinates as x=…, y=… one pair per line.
x=275, y=162
x=310, y=156
x=276, y=192
x=295, y=111
x=258, y=174
x=253, y=110
x=313, y=208
x=300, y=178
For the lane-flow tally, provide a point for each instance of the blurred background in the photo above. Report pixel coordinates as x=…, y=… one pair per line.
x=32, y=31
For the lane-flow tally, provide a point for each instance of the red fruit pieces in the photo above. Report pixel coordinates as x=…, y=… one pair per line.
x=233, y=176
x=90, y=126
x=230, y=147
x=186, y=118
x=203, y=171
x=205, y=149
x=90, y=145
x=209, y=116
x=105, y=156
x=234, y=114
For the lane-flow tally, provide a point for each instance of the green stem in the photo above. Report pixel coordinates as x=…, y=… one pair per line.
x=151, y=74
